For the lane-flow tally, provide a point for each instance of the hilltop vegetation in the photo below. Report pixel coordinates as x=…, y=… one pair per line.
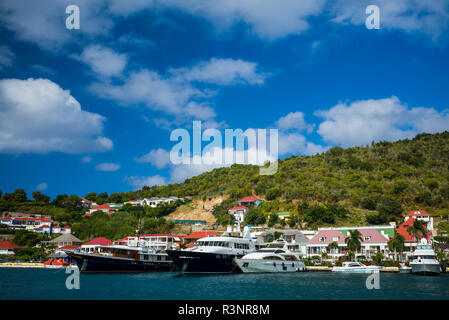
x=372, y=184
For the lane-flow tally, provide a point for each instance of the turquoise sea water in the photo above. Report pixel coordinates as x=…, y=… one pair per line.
x=50, y=284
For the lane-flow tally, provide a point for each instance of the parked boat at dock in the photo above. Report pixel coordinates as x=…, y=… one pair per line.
x=214, y=254
x=424, y=261
x=139, y=255
x=356, y=267
x=275, y=257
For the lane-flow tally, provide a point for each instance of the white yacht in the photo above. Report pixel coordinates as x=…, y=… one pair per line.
x=213, y=254
x=275, y=257
x=424, y=261
x=355, y=266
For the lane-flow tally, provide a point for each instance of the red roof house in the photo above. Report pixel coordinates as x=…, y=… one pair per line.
x=402, y=230
x=8, y=245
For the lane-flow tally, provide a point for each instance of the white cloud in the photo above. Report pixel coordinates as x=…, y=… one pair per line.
x=295, y=143
x=267, y=19
x=106, y=166
x=43, y=22
x=42, y=186
x=294, y=120
x=364, y=121
x=6, y=57
x=425, y=17
x=43, y=69
x=159, y=158
x=38, y=116
x=86, y=159
x=139, y=182
x=221, y=72
x=103, y=61
x=176, y=93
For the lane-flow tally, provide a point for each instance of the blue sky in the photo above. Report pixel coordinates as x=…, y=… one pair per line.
x=91, y=110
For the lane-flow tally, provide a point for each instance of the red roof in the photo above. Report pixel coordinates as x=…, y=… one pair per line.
x=402, y=230
x=6, y=218
x=56, y=227
x=202, y=234
x=8, y=245
x=373, y=234
x=329, y=236
x=68, y=247
x=415, y=213
x=44, y=226
x=85, y=200
x=239, y=207
x=248, y=199
x=66, y=227
x=101, y=241
x=103, y=206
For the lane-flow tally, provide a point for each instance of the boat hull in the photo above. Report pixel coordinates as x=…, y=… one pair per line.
x=355, y=270
x=203, y=262
x=425, y=269
x=264, y=266
x=98, y=263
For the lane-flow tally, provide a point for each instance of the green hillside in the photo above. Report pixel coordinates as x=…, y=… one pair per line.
x=413, y=172
x=361, y=185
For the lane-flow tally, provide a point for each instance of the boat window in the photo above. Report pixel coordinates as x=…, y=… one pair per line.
x=272, y=258
x=241, y=245
x=145, y=257
x=290, y=258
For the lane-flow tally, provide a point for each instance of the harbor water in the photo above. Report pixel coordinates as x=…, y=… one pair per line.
x=51, y=284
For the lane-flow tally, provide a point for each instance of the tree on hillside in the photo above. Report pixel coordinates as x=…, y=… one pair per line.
x=389, y=207
x=19, y=195
x=91, y=196
x=39, y=197
x=254, y=216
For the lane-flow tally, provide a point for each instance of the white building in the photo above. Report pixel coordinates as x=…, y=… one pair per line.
x=239, y=213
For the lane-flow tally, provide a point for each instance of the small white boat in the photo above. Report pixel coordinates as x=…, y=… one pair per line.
x=356, y=267
x=271, y=259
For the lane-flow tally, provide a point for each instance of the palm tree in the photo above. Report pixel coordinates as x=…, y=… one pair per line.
x=378, y=257
x=350, y=255
x=396, y=244
x=354, y=240
x=324, y=255
x=417, y=230
x=333, y=246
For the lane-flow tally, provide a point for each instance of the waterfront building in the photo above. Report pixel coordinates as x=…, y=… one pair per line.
x=421, y=215
x=373, y=241
x=7, y=248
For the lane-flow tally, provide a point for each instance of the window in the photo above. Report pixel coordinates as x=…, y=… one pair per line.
x=367, y=238
x=241, y=246
x=335, y=238
x=322, y=239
